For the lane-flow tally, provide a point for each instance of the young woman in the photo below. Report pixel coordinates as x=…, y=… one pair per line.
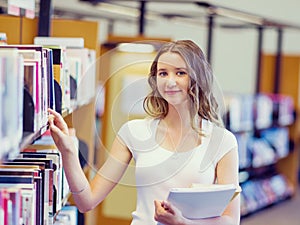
x=170, y=147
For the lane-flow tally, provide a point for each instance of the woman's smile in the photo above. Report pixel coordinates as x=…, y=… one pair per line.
x=172, y=92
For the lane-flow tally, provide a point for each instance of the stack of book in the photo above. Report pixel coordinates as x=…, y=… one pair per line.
x=261, y=193
x=11, y=100
x=37, y=77
x=33, y=187
x=75, y=69
x=247, y=112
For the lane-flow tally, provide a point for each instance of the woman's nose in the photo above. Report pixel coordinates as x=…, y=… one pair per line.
x=171, y=82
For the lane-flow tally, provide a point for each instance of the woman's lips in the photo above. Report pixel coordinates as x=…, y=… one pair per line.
x=172, y=92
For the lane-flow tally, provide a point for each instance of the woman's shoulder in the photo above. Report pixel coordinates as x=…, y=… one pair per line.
x=137, y=126
x=222, y=132
x=138, y=123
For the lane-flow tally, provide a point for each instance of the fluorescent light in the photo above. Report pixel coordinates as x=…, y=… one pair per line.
x=239, y=16
x=137, y=48
x=126, y=11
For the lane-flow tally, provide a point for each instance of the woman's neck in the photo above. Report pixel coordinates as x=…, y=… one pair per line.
x=178, y=117
x=175, y=131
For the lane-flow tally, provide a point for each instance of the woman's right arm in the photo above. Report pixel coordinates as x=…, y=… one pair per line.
x=87, y=195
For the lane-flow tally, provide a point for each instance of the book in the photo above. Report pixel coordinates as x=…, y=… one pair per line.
x=203, y=201
x=60, y=77
x=68, y=42
x=30, y=84
x=4, y=197
x=57, y=172
x=11, y=129
x=21, y=199
x=15, y=202
x=34, y=57
x=85, y=75
x=12, y=184
x=41, y=191
x=68, y=215
x=50, y=77
x=47, y=184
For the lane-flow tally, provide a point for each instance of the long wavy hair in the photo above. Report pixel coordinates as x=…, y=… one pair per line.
x=202, y=102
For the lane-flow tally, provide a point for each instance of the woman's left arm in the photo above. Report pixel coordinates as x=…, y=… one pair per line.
x=227, y=173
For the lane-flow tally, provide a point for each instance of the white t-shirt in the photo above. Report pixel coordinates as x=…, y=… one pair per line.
x=158, y=169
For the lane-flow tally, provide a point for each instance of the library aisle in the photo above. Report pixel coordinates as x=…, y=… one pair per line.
x=286, y=212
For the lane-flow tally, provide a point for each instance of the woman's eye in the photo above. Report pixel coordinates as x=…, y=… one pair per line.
x=162, y=74
x=181, y=73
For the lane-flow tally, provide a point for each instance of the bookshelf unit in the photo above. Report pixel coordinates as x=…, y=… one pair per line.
x=289, y=85
x=261, y=124
x=21, y=30
x=287, y=165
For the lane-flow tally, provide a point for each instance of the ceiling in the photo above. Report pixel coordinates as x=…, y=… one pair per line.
x=189, y=11
x=137, y=11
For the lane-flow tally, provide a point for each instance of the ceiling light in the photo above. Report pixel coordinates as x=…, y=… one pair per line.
x=126, y=11
x=137, y=48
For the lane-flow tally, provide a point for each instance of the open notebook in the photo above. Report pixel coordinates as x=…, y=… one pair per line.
x=203, y=201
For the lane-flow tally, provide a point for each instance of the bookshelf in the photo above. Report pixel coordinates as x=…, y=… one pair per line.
x=21, y=30
x=266, y=178
x=289, y=85
x=261, y=125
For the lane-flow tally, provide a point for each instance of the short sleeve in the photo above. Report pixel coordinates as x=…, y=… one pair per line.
x=228, y=143
x=124, y=134
x=137, y=135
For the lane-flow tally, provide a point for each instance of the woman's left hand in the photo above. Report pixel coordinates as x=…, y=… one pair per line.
x=167, y=214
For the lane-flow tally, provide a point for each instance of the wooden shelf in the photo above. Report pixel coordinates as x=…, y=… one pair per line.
x=289, y=85
x=29, y=137
x=82, y=118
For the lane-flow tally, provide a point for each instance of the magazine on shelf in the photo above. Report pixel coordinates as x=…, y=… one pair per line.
x=201, y=200
x=57, y=171
x=31, y=85
x=36, y=58
x=17, y=203
x=30, y=55
x=82, y=63
x=68, y=214
x=44, y=87
x=47, y=184
x=50, y=77
x=39, y=182
x=68, y=42
x=45, y=198
x=60, y=74
x=11, y=126
x=34, y=54
x=13, y=186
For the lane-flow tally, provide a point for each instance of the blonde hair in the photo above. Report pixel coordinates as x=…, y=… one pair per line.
x=202, y=102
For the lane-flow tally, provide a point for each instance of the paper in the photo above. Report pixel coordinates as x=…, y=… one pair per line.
x=202, y=201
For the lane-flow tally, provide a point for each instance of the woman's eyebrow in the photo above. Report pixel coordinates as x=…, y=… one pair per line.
x=177, y=68
x=181, y=68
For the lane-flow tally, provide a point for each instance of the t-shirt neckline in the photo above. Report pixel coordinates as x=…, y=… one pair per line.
x=205, y=124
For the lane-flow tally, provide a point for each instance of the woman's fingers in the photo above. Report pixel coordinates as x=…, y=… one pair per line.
x=168, y=207
x=53, y=112
x=55, y=119
x=157, y=204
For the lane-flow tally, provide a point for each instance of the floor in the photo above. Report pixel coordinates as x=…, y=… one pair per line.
x=286, y=212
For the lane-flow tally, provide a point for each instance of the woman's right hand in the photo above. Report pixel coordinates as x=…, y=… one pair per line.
x=60, y=132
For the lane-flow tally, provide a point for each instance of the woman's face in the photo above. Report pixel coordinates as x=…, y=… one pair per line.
x=172, y=78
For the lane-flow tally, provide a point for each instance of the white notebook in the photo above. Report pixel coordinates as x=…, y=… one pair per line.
x=203, y=201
